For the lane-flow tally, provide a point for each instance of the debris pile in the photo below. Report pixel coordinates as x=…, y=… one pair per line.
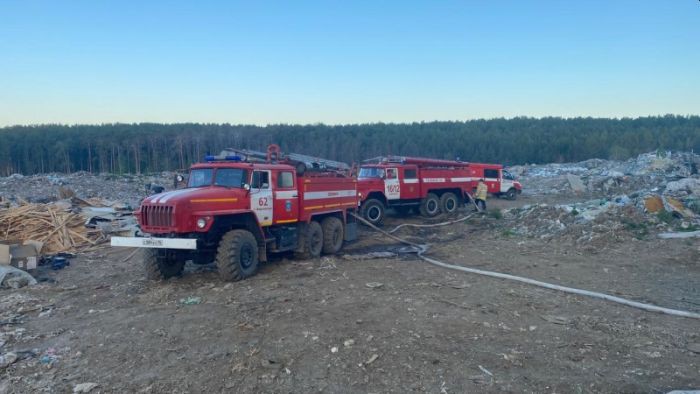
x=603, y=221
x=596, y=177
x=59, y=229
x=130, y=189
x=71, y=225
x=654, y=192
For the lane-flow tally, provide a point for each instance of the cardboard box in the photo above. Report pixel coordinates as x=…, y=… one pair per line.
x=24, y=256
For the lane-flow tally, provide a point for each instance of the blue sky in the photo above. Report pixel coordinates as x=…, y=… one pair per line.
x=335, y=62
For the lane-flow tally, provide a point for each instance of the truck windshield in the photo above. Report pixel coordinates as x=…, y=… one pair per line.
x=231, y=177
x=371, y=172
x=200, y=177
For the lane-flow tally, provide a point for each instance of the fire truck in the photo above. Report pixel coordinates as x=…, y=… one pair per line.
x=242, y=205
x=426, y=186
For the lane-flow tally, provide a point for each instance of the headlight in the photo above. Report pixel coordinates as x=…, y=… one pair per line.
x=201, y=223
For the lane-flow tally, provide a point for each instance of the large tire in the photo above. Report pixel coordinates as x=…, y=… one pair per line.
x=449, y=203
x=313, y=241
x=333, y=235
x=512, y=194
x=237, y=255
x=430, y=206
x=372, y=211
x=162, y=264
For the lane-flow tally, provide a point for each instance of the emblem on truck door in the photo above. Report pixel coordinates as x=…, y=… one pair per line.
x=261, y=197
x=392, y=187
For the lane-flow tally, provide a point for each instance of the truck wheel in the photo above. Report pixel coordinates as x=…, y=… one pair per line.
x=511, y=194
x=449, y=203
x=373, y=211
x=333, y=233
x=162, y=264
x=237, y=256
x=430, y=206
x=313, y=242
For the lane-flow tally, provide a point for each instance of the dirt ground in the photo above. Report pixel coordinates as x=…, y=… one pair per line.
x=368, y=326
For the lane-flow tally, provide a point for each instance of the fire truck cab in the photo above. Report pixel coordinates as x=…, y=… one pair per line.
x=237, y=208
x=499, y=181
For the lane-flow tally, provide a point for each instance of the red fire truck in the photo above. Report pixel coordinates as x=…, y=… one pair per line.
x=426, y=186
x=240, y=206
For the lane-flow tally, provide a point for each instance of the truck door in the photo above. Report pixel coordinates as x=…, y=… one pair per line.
x=506, y=181
x=410, y=187
x=286, y=204
x=491, y=178
x=261, y=197
x=392, y=187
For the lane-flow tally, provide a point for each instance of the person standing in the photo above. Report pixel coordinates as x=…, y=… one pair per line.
x=480, y=195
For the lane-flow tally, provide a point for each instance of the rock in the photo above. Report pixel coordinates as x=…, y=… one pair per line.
x=7, y=359
x=191, y=300
x=84, y=387
x=576, y=184
x=349, y=343
x=374, y=285
x=271, y=364
x=556, y=319
x=334, y=349
x=372, y=359
x=694, y=347
x=690, y=185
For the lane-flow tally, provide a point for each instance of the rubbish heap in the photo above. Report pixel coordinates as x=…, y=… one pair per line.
x=65, y=225
x=129, y=189
x=653, y=193
x=32, y=233
x=596, y=177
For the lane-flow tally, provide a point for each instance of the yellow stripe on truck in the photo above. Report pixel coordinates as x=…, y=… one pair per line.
x=198, y=200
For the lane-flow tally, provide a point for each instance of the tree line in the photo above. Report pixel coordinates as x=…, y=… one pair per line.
x=152, y=147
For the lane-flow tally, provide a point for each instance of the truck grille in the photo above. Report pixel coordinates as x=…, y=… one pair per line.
x=157, y=216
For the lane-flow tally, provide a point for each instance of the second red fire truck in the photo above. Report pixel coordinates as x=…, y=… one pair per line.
x=426, y=186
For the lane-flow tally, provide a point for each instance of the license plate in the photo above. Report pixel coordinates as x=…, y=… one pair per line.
x=160, y=243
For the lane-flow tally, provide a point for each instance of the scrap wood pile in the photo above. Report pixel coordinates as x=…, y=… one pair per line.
x=58, y=227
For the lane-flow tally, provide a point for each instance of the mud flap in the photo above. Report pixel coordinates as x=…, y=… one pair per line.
x=350, y=231
x=262, y=254
x=301, y=238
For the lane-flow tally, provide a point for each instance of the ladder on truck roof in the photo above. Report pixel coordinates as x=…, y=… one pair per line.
x=419, y=161
x=274, y=154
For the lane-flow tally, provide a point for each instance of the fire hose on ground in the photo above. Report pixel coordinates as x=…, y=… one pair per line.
x=421, y=249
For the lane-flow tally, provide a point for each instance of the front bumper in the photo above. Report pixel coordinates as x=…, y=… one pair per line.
x=158, y=243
